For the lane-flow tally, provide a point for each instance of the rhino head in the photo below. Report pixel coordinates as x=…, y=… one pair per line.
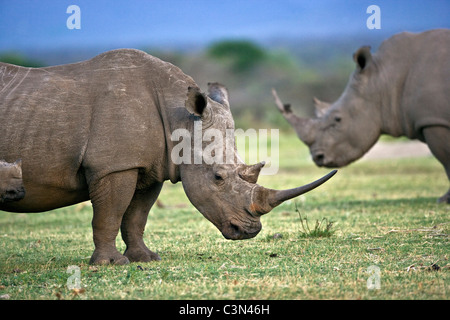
x=344, y=130
x=226, y=192
x=11, y=185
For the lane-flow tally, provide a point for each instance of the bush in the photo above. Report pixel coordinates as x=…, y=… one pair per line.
x=243, y=55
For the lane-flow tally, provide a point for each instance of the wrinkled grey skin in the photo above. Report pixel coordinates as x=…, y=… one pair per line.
x=11, y=184
x=402, y=90
x=101, y=130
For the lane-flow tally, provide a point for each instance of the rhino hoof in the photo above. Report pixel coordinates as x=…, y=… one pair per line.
x=141, y=255
x=104, y=259
x=445, y=198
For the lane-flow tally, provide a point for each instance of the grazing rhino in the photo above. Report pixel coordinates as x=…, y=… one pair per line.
x=402, y=90
x=102, y=130
x=11, y=185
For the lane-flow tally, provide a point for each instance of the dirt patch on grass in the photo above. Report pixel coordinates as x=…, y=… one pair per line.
x=400, y=149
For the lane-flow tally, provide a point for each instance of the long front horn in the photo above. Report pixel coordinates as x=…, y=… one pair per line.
x=303, y=126
x=279, y=196
x=264, y=200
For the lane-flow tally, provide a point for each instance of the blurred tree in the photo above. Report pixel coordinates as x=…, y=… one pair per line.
x=243, y=55
x=19, y=59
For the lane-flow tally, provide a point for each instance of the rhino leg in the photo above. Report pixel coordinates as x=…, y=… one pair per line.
x=133, y=224
x=438, y=138
x=110, y=198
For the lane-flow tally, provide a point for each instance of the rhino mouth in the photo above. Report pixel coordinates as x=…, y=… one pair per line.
x=236, y=231
x=328, y=164
x=321, y=160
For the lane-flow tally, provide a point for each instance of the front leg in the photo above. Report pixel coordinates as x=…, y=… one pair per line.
x=110, y=197
x=133, y=224
x=438, y=138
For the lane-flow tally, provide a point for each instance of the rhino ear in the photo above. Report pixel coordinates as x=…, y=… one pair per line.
x=321, y=107
x=362, y=57
x=196, y=102
x=219, y=93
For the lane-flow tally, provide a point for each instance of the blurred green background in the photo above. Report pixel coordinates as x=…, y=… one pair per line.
x=301, y=48
x=250, y=70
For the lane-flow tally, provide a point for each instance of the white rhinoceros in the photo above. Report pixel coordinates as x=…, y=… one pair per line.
x=402, y=90
x=101, y=130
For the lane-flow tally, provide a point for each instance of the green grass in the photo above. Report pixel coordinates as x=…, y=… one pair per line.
x=384, y=214
x=322, y=227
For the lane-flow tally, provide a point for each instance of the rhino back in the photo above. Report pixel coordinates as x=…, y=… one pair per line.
x=427, y=90
x=418, y=64
x=81, y=121
x=127, y=127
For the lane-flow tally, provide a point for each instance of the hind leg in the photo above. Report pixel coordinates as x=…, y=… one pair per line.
x=110, y=197
x=133, y=224
x=438, y=140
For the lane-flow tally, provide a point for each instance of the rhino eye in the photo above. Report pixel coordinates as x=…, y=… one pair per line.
x=337, y=119
x=220, y=175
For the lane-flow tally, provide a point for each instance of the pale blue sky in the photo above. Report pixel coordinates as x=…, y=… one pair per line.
x=42, y=24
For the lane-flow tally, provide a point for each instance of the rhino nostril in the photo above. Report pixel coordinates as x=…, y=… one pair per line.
x=236, y=230
x=233, y=231
x=319, y=158
x=11, y=193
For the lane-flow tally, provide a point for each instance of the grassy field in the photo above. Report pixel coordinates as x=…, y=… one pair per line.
x=389, y=240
